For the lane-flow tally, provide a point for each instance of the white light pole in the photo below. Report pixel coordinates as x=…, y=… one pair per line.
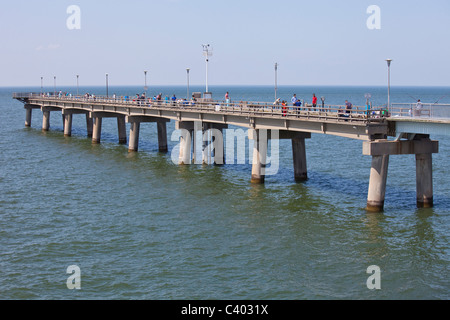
x=187, y=71
x=145, y=84
x=54, y=84
x=389, y=83
x=42, y=85
x=276, y=80
x=107, y=85
x=77, y=84
x=207, y=53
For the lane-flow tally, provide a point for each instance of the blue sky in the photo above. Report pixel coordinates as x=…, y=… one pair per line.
x=319, y=42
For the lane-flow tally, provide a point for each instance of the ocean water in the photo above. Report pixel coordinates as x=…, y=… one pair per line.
x=139, y=226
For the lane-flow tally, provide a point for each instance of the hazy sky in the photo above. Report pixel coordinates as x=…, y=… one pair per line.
x=322, y=42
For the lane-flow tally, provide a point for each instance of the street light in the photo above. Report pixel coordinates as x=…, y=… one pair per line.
x=54, y=84
x=276, y=80
x=187, y=95
x=77, y=84
x=107, y=85
x=389, y=83
x=207, y=53
x=42, y=85
x=145, y=84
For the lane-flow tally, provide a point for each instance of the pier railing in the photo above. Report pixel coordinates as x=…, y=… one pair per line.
x=424, y=111
x=245, y=108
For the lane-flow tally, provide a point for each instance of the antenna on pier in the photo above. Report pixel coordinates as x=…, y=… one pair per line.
x=207, y=52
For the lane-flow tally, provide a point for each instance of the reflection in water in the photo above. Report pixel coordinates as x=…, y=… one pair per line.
x=377, y=249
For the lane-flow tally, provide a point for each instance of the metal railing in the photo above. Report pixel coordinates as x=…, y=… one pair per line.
x=420, y=111
x=246, y=108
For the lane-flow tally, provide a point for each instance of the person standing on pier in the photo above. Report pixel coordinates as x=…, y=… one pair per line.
x=419, y=107
x=348, y=106
x=294, y=99
x=284, y=107
x=314, y=101
x=227, y=98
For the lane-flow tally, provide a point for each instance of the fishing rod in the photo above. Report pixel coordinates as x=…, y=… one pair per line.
x=441, y=98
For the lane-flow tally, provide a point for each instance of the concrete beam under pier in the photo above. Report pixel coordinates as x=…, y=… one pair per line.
x=29, y=111
x=97, y=125
x=422, y=147
x=212, y=141
x=260, y=152
x=46, y=110
x=135, y=125
x=376, y=148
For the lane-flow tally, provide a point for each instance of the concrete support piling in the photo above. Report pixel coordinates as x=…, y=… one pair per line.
x=96, y=129
x=45, y=120
x=259, y=155
x=121, y=127
x=162, y=136
x=185, y=147
x=89, y=124
x=133, y=144
x=424, y=180
x=67, y=124
x=299, y=157
x=422, y=147
x=28, y=113
x=377, y=183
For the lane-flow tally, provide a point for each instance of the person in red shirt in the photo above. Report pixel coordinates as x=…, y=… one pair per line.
x=314, y=101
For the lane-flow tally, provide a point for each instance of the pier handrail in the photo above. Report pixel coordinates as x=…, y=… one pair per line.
x=249, y=108
x=421, y=111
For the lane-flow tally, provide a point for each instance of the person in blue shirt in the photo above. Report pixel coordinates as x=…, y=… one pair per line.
x=294, y=99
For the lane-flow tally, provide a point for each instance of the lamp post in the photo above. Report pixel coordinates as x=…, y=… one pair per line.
x=145, y=83
x=54, y=85
x=389, y=83
x=77, y=85
x=42, y=85
x=187, y=95
x=276, y=80
x=207, y=53
x=107, y=86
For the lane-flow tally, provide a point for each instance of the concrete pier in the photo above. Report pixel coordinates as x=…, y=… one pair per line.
x=89, y=125
x=135, y=126
x=299, y=157
x=67, y=124
x=185, y=148
x=260, y=140
x=421, y=146
x=187, y=128
x=133, y=144
x=96, y=128
x=263, y=121
x=377, y=183
x=162, y=136
x=28, y=114
x=213, y=143
x=45, y=119
x=424, y=180
x=121, y=127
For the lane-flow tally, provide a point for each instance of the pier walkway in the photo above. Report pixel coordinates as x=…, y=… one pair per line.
x=265, y=121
